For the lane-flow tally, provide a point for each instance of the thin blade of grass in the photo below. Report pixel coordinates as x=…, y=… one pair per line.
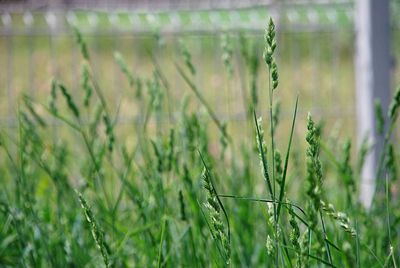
x=263, y=200
x=161, y=243
x=328, y=250
x=315, y=258
x=282, y=189
x=285, y=249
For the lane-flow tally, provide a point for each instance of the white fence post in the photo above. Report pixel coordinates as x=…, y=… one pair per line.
x=372, y=69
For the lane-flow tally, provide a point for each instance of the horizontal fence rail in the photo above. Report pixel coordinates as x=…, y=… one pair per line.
x=293, y=18
x=319, y=31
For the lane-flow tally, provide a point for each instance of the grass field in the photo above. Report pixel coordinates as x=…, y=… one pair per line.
x=153, y=157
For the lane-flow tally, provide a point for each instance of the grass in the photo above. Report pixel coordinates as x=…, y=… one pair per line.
x=92, y=193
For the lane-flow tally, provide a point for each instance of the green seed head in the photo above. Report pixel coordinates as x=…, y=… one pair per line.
x=81, y=42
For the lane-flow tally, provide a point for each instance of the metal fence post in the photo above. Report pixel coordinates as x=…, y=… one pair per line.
x=372, y=63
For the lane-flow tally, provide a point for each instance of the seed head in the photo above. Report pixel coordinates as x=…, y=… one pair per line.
x=270, y=46
x=70, y=102
x=81, y=42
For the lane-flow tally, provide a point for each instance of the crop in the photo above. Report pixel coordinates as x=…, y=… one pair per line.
x=78, y=191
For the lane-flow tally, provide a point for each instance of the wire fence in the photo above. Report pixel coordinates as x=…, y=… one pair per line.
x=316, y=47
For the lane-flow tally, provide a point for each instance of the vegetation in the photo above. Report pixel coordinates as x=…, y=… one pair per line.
x=77, y=191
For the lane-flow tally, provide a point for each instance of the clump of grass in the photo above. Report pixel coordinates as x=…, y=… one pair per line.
x=145, y=186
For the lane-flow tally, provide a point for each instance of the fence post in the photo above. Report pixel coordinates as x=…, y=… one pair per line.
x=372, y=69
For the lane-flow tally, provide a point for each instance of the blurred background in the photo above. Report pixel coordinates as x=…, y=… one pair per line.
x=316, y=42
x=317, y=53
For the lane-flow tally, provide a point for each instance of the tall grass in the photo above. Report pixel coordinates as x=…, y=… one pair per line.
x=83, y=194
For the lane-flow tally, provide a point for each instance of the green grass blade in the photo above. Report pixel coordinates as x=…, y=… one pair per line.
x=328, y=250
x=262, y=200
x=161, y=243
x=282, y=189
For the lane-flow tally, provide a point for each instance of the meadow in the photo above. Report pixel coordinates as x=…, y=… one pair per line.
x=151, y=174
